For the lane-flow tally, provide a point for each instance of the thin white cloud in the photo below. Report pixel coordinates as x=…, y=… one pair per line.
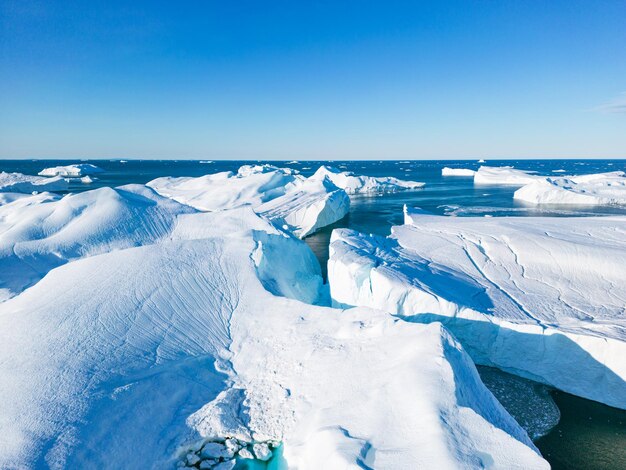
x=618, y=105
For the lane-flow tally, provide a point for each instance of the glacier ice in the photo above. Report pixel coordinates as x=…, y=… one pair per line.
x=592, y=189
x=446, y=171
x=166, y=326
x=356, y=184
x=76, y=170
x=506, y=175
x=543, y=298
x=20, y=183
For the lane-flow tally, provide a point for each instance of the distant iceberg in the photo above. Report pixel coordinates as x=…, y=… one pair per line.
x=539, y=297
x=446, y=171
x=355, y=184
x=503, y=175
x=168, y=329
x=593, y=189
x=302, y=205
x=20, y=183
x=77, y=170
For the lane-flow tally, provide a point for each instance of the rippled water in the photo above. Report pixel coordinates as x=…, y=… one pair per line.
x=589, y=435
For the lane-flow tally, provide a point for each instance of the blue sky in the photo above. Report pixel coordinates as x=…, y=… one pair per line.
x=318, y=79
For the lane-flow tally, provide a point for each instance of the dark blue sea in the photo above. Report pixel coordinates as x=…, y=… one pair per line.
x=589, y=435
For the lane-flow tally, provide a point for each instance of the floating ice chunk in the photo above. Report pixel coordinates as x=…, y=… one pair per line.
x=245, y=454
x=20, y=183
x=594, y=189
x=457, y=172
x=227, y=465
x=216, y=450
x=80, y=169
x=505, y=175
x=262, y=451
x=539, y=297
x=355, y=184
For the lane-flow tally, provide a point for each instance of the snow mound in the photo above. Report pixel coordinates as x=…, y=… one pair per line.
x=594, y=189
x=79, y=169
x=193, y=330
x=355, y=184
x=503, y=175
x=20, y=183
x=538, y=297
x=446, y=171
x=43, y=231
x=302, y=205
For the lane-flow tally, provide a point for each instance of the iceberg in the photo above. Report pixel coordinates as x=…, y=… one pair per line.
x=21, y=183
x=542, y=298
x=593, y=189
x=292, y=201
x=505, y=175
x=446, y=171
x=355, y=184
x=80, y=169
x=193, y=335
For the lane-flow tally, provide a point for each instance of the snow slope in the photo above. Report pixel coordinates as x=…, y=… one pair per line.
x=20, y=183
x=593, y=189
x=503, y=175
x=355, y=184
x=457, y=172
x=543, y=298
x=79, y=169
x=196, y=329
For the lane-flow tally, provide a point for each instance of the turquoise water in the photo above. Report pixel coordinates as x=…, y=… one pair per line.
x=589, y=435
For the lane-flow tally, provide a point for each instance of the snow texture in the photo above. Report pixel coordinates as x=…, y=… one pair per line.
x=543, y=297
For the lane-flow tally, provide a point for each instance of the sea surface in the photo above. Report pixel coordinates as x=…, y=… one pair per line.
x=588, y=435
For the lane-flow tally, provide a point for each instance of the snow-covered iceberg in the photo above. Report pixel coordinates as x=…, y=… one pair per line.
x=202, y=327
x=446, y=171
x=357, y=184
x=289, y=199
x=543, y=298
x=593, y=189
x=505, y=175
x=79, y=169
x=21, y=183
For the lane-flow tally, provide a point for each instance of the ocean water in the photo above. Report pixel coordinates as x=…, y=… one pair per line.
x=589, y=435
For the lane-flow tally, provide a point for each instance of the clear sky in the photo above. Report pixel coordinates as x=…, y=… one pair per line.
x=312, y=79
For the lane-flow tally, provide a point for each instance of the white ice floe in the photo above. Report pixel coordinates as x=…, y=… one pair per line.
x=21, y=183
x=80, y=169
x=446, y=171
x=505, y=175
x=542, y=297
x=191, y=326
x=356, y=184
x=593, y=189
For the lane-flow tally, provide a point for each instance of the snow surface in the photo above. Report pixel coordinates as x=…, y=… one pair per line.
x=20, y=183
x=168, y=328
x=79, y=169
x=355, y=184
x=446, y=171
x=543, y=298
x=503, y=175
x=593, y=189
